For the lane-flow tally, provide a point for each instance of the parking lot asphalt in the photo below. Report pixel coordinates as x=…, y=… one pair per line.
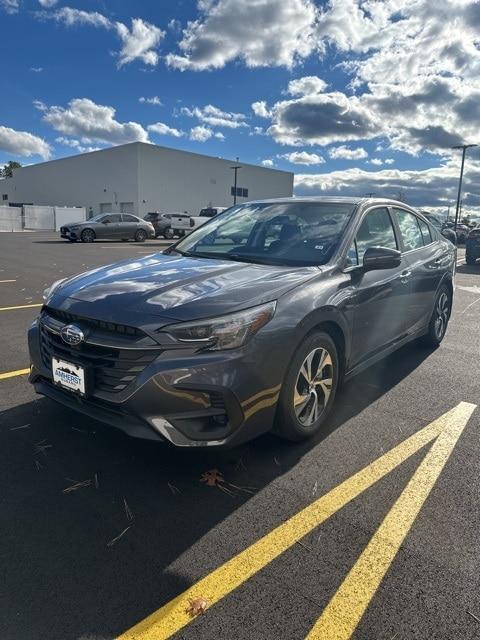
x=100, y=531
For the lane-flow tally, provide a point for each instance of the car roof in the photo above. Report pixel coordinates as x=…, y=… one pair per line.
x=333, y=199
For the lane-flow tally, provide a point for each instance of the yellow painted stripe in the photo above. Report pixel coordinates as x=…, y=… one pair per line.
x=345, y=610
x=172, y=617
x=13, y=374
x=21, y=306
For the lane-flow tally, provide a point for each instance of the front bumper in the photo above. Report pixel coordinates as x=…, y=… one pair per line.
x=190, y=400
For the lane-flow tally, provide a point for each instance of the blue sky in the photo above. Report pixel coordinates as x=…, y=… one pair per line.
x=353, y=96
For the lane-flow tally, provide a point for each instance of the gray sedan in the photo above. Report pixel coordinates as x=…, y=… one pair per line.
x=114, y=226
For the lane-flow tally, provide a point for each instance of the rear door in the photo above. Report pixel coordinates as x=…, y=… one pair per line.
x=427, y=258
x=380, y=297
x=129, y=226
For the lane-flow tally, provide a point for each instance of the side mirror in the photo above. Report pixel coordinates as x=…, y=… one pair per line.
x=376, y=258
x=105, y=221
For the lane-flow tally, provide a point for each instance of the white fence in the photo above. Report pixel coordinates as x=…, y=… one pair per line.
x=64, y=215
x=10, y=218
x=38, y=217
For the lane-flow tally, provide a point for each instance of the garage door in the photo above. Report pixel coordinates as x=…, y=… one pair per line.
x=126, y=207
x=105, y=207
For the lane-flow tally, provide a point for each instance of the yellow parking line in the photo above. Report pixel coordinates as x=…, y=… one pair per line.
x=21, y=306
x=12, y=374
x=172, y=617
x=345, y=610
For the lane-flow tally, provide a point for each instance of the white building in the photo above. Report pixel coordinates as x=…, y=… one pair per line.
x=139, y=178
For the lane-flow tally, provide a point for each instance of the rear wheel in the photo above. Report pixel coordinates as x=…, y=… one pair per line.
x=168, y=234
x=140, y=235
x=88, y=235
x=308, y=391
x=440, y=317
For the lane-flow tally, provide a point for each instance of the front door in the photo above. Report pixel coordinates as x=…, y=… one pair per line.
x=109, y=226
x=380, y=297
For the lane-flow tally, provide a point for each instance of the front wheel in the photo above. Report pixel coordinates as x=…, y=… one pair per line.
x=140, y=235
x=440, y=317
x=168, y=234
x=87, y=235
x=308, y=391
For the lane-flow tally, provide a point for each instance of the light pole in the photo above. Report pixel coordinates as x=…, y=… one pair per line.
x=464, y=148
x=235, y=168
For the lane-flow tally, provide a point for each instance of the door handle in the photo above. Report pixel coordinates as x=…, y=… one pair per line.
x=405, y=276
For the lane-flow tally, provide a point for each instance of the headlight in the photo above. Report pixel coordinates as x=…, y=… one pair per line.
x=74, y=228
x=226, y=332
x=51, y=289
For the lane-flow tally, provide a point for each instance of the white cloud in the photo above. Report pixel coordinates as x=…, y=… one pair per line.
x=307, y=85
x=36, y=69
x=75, y=144
x=215, y=117
x=22, y=143
x=260, y=109
x=268, y=162
x=200, y=133
x=10, y=6
x=139, y=42
x=84, y=118
x=389, y=161
x=346, y=153
x=153, y=100
x=48, y=4
x=303, y=157
x=261, y=33
x=163, y=129
x=376, y=161
x=435, y=187
x=219, y=135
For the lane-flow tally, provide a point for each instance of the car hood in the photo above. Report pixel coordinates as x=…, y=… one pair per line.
x=177, y=287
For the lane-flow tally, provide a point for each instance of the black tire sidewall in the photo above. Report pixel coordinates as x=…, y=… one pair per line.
x=431, y=336
x=140, y=236
x=287, y=424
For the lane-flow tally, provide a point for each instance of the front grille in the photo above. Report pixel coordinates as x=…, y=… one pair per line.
x=109, y=369
x=113, y=327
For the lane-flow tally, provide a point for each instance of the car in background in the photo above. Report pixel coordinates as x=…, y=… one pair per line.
x=446, y=232
x=169, y=225
x=472, y=246
x=248, y=324
x=462, y=231
x=205, y=214
x=111, y=226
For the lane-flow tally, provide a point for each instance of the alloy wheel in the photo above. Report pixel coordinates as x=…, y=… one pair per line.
x=313, y=386
x=441, y=314
x=88, y=235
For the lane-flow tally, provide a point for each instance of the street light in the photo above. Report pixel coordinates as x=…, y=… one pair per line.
x=235, y=167
x=464, y=148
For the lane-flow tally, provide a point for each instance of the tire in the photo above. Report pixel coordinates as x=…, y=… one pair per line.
x=470, y=260
x=88, y=235
x=308, y=416
x=168, y=234
x=438, y=324
x=140, y=235
x=180, y=233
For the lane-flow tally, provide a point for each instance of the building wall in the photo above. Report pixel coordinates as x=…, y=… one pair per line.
x=139, y=178
x=171, y=180
x=85, y=180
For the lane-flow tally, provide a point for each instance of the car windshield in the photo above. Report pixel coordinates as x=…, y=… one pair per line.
x=293, y=233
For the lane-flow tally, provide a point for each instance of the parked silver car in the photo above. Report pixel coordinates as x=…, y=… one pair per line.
x=114, y=226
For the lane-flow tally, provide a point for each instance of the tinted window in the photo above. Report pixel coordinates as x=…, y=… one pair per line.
x=151, y=216
x=112, y=218
x=294, y=233
x=425, y=230
x=411, y=234
x=376, y=230
x=128, y=218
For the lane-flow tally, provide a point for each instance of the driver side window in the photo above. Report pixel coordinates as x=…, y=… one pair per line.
x=376, y=230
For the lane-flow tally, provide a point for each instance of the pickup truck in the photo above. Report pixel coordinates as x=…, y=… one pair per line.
x=204, y=215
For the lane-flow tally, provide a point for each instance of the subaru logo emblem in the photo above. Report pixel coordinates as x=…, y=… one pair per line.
x=72, y=335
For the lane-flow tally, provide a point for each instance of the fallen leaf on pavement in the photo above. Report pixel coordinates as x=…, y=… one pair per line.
x=197, y=606
x=212, y=478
